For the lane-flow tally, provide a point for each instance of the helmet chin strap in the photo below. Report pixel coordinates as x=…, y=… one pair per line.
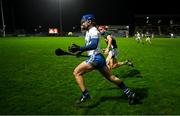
x=90, y=25
x=83, y=28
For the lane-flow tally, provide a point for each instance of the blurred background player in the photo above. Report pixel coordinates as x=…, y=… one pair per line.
x=95, y=60
x=148, y=37
x=172, y=35
x=138, y=37
x=111, y=50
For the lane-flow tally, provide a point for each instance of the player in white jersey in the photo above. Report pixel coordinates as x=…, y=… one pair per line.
x=138, y=37
x=148, y=37
x=95, y=60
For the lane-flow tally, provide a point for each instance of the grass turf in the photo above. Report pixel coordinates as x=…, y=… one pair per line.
x=35, y=81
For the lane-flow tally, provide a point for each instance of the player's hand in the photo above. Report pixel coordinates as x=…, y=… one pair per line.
x=78, y=54
x=106, y=51
x=103, y=50
x=74, y=48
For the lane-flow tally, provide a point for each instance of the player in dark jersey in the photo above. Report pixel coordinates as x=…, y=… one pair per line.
x=111, y=50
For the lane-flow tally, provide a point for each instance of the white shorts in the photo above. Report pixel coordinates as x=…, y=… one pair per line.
x=138, y=39
x=148, y=39
x=113, y=53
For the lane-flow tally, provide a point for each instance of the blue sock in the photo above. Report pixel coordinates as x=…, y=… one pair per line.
x=124, y=88
x=85, y=92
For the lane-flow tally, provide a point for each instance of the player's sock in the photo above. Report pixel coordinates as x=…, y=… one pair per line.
x=124, y=88
x=126, y=61
x=85, y=93
x=127, y=92
x=85, y=96
x=130, y=95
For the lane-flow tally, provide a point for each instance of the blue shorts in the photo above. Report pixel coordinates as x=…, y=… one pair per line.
x=97, y=61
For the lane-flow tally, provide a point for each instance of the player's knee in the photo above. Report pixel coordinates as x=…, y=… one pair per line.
x=77, y=73
x=113, y=78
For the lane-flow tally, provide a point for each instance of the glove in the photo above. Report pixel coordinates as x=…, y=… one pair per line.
x=74, y=48
x=78, y=54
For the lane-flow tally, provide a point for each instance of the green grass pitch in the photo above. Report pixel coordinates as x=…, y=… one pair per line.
x=35, y=81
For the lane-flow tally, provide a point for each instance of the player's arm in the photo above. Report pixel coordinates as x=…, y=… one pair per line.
x=93, y=45
x=109, y=38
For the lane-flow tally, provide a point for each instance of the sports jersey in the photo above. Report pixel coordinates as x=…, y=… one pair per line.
x=105, y=34
x=92, y=33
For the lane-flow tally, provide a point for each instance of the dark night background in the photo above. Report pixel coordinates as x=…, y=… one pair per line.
x=29, y=14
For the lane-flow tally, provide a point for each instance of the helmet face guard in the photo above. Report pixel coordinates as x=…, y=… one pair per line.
x=85, y=18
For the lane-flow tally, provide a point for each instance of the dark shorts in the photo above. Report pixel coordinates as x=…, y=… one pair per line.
x=97, y=61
